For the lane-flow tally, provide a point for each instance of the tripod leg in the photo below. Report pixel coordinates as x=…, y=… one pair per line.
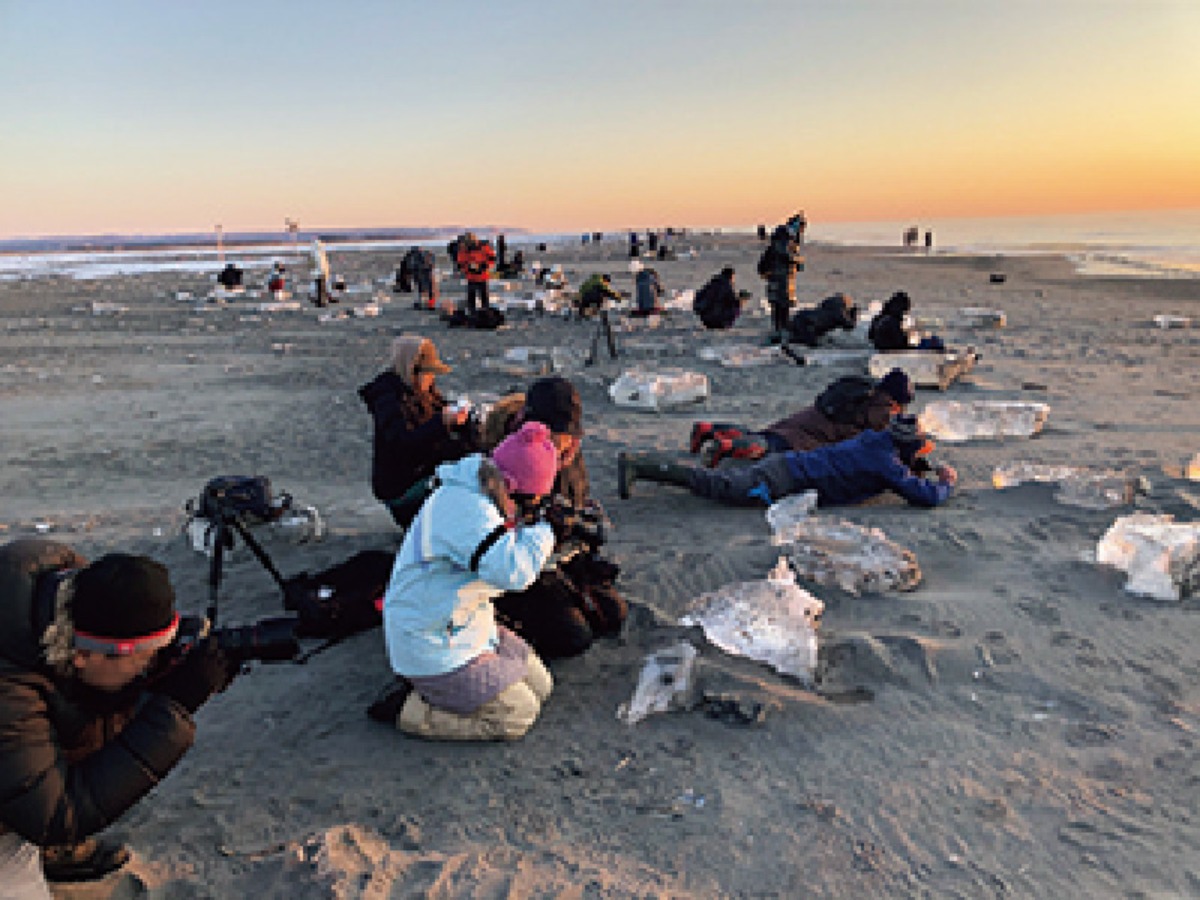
x=608, y=335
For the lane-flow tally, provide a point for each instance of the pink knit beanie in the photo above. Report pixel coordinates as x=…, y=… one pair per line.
x=528, y=460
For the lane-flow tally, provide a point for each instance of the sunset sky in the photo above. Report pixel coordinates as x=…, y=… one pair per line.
x=158, y=116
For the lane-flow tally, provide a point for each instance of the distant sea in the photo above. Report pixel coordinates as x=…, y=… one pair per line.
x=1162, y=244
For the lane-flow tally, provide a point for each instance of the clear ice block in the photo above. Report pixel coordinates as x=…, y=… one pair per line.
x=953, y=420
x=773, y=620
x=658, y=389
x=665, y=683
x=1160, y=556
x=852, y=557
x=1078, y=486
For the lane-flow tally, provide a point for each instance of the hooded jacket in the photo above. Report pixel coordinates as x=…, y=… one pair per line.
x=476, y=260
x=411, y=438
x=860, y=468
x=459, y=553
x=67, y=770
x=809, y=428
x=887, y=330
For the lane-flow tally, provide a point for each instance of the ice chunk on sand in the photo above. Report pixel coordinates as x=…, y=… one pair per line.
x=773, y=620
x=658, y=389
x=953, y=420
x=1078, y=486
x=853, y=557
x=1160, y=556
x=664, y=683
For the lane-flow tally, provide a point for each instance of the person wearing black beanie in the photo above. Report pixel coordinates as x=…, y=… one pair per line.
x=91, y=717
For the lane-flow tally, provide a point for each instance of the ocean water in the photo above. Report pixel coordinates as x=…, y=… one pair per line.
x=1163, y=244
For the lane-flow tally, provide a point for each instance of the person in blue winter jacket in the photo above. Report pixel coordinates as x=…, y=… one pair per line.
x=845, y=473
x=461, y=675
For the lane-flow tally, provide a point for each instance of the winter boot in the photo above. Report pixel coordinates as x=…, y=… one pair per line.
x=702, y=432
x=89, y=860
x=633, y=467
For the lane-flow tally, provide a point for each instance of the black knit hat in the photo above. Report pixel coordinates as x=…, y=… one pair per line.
x=555, y=403
x=908, y=437
x=897, y=385
x=123, y=603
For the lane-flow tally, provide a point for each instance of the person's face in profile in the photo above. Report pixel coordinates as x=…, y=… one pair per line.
x=111, y=671
x=567, y=446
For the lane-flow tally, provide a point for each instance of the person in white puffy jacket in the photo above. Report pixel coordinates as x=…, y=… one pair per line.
x=461, y=676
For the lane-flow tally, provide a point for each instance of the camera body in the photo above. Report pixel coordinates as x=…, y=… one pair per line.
x=267, y=640
x=584, y=525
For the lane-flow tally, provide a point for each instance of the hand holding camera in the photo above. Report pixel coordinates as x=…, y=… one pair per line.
x=203, y=670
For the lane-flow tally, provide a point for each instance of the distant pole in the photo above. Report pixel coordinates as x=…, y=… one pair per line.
x=292, y=228
x=220, y=247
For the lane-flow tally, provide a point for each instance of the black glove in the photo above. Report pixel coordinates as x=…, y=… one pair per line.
x=203, y=670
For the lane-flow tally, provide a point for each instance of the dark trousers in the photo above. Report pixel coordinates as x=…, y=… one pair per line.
x=477, y=290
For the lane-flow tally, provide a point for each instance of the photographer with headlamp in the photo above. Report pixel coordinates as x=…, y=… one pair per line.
x=92, y=713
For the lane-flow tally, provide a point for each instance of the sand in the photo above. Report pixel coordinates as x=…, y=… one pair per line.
x=1025, y=727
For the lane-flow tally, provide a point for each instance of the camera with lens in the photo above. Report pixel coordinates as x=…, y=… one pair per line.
x=267, y=640
x=582, y=525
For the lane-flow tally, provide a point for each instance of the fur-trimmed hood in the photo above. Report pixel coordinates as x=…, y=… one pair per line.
x=23, y=566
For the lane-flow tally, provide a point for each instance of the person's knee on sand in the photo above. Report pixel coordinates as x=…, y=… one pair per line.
x=506, y=717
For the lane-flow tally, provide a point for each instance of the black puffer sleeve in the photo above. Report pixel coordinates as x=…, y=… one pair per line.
x=48, y=801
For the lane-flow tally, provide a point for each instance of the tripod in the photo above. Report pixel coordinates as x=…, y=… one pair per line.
x=603, y=329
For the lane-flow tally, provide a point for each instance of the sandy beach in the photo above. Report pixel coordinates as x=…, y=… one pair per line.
x=1027, y=728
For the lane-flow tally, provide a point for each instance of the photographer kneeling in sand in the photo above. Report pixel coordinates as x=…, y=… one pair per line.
x=92, y=716
x=461, y=675
x=842, y=474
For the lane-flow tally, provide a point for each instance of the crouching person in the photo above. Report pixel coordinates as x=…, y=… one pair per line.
x=463, y=676
x=91, y=716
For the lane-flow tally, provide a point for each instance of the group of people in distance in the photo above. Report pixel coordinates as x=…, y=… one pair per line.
x=497, y=573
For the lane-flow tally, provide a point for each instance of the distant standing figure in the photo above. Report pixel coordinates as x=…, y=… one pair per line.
x=649, y=289
x=423, y=268
x=778, y=265
x=635, y=245
x=320, y=273
x=928, y=240
x=475, y=260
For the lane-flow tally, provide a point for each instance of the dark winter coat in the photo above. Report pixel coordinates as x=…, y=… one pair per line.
x=411, y=438
x=887, y=330
x=649, y=289
x=808, y=428
x=859, y=469
x=717, y=303
x=68, y=769
x=808, y=326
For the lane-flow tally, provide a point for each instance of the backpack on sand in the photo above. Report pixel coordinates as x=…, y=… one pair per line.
x=845, y=400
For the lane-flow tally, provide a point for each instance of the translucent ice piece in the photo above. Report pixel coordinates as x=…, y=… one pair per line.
x=1193, y=468
x=1160, y=556
x=664, y=683
x=1088, y=488
x=741, y=355
x=925, y=368
x=837, y=357
x=952, y=420
x=784, y=516
x=773, y=621
x=855, y=558
x=658, y=389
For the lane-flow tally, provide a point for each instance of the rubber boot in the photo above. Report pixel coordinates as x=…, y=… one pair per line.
x=633, y=467
x=89, y=860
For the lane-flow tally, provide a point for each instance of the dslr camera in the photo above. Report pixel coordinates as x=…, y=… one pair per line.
x=267, y=640
x=585, y=526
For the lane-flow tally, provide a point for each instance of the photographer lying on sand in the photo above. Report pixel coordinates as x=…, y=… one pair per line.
x=842, y=474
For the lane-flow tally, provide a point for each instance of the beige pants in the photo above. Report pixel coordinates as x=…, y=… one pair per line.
x=505, y=718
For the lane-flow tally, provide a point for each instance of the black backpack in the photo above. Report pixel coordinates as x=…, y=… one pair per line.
x=845, y=400
x=342, y=600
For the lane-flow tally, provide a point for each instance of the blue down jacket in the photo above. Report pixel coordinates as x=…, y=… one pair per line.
x=437, y=613
x=858, y=469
